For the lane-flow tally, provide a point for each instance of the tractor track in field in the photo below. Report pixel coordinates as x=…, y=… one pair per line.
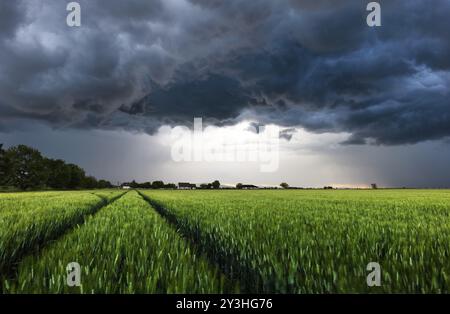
x=9, y=272
x=227, y=267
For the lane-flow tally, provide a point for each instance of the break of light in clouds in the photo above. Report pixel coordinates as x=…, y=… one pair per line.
x=356, y=104
x=310, y=160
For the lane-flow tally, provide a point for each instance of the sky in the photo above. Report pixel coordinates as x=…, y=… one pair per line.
x=353, y=104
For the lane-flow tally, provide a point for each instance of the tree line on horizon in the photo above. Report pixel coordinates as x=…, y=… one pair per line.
x=25, y=168
x=161, y=185
x=150, y=185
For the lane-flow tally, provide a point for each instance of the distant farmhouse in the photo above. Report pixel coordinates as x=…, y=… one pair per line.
x=126, y=187
x=186, y=186
x=248, y=187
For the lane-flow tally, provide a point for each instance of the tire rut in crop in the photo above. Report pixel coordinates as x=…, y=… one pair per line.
x=172, y=220
x=9, y=271
x=125, y=248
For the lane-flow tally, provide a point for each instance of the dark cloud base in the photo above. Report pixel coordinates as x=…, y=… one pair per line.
x=137, y=65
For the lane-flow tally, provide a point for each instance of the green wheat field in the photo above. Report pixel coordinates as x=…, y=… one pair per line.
x=225, y=241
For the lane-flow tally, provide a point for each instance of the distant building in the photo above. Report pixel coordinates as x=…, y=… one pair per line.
x=248, y=187
x=186, y=186
x=126, y=187
x=374, y=186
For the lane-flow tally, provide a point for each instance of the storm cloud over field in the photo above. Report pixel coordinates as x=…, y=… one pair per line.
x=314, y=65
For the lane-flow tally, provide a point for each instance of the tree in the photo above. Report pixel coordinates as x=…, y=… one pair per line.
x=157, y=185
x=3, y=167
x=134, y=184
x=58, y=174
x=205, y=186
x=172, y=186
x=146, y=185
x=216, y=184
x=77, y=176
x=27, y=166
x=239, y=186
x=284, y=185
x=103, y=184
x=89, y=183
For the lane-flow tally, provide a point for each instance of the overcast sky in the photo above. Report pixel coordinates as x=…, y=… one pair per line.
x=355, y=104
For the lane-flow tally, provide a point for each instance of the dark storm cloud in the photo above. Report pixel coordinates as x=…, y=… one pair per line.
x=11, y=16
x=136, y=65
x=186, y=99
x=287, y=133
